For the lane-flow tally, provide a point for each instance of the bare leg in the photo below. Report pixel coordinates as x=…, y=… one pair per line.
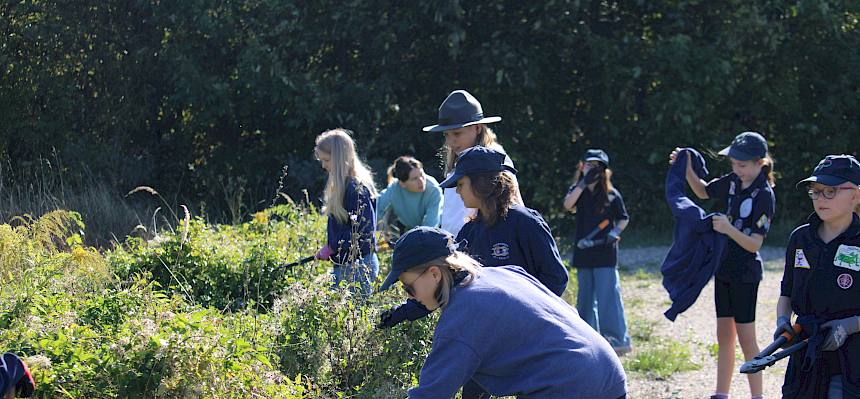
x=749, y=345
x=726, y=354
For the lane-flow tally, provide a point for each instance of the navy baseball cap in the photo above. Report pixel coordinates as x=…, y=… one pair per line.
x=417, y=247
x=594, y=154
x=834, y=170
x=746, y=147
x=478, y=159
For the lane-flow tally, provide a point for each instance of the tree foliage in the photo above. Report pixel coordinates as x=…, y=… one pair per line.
x=210, y=99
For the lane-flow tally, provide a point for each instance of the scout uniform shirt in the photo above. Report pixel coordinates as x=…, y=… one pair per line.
x=823, y=280
x=587, y=219
x=522, y=238
x=749, y=210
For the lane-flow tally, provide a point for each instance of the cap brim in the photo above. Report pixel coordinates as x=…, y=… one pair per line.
x=827, y=180
x=390, y=279
x=451, y=181
x=736, y=154
x=442, y=128
x=595, y=159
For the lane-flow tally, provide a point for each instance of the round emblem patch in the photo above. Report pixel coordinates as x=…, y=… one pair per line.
x=746, y=207
x=501, y=251
x=845, y=281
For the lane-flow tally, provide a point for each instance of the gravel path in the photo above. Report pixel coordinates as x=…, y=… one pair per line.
x=646, y=300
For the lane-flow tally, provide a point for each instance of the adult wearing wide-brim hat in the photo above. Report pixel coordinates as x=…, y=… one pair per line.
x=462, y=121
x=500, y=327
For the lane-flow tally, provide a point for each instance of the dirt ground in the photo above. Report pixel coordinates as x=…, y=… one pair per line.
x=646, y=300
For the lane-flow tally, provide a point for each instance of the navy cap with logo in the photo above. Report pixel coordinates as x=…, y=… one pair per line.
x=834, y=170
x=417, y=247
x=594, y=154
x=460, y=109
x=746, y=147
x=478, y=159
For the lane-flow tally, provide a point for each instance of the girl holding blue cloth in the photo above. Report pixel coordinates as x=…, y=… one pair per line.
x=747, y=195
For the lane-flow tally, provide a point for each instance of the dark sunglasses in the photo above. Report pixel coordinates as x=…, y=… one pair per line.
x=409, y=287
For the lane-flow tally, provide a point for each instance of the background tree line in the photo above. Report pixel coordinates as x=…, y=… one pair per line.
x=207, y=101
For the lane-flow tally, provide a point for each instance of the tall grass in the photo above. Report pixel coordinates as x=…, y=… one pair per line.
x=46, y=187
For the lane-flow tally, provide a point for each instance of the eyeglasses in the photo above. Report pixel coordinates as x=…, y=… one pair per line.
x=827, y=192
x=409, y=287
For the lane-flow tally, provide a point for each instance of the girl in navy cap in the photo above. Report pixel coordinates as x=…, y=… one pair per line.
x=600, y=219
x=502, y=232
x=349, y=206
x=747, y=195
x=500, y=327
x=411, y=199
x=462, y=120
x=821, y=285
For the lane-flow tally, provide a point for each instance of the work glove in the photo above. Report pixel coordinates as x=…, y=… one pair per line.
x=324, y=253
x=593, y=175
x=838, y=331
x=410, y=310
x=18, y=375
x=783, y=325
x=613, y=235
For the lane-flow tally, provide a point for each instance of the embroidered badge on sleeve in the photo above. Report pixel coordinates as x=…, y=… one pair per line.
x=800, y=259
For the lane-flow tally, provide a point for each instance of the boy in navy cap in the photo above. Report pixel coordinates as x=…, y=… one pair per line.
x=499, y=327
x=15, y=378
x=820, y=285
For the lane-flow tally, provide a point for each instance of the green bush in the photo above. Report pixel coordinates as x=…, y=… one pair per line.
x=119, y=325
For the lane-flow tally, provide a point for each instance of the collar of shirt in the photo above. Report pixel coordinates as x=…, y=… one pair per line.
x=853, y=230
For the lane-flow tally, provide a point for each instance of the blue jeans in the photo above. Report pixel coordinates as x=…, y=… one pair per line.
x=599, y=303
x=363, y=272
x=834, y=390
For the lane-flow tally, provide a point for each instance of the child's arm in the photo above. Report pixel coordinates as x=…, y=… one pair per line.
x=751, y=243
x=696, y=184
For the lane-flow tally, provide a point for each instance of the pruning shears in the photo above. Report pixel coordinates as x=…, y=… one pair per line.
x=767, y=358
x=301, y=261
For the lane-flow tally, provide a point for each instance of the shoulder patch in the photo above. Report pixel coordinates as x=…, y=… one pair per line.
x=800, y=261
x=847, y=257
x=764, y=222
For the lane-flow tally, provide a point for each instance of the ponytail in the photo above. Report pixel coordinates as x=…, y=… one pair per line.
x=767, y=169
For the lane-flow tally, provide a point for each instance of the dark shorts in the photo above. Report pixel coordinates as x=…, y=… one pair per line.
x=736, y=300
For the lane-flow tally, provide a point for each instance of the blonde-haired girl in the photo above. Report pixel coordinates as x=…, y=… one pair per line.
x=349, y=205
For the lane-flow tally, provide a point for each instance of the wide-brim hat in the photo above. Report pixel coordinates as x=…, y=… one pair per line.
x=460, y=109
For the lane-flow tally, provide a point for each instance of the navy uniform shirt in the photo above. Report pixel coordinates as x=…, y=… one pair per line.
x=587, y=219
x=361, y=208
x=522, y=238
x=823, y=280
x=750, y=210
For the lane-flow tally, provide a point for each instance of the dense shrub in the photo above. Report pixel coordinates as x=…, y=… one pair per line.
x=117, y=325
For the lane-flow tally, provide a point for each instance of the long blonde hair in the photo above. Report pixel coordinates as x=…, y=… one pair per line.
x=486, y=137
x=345, y=165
